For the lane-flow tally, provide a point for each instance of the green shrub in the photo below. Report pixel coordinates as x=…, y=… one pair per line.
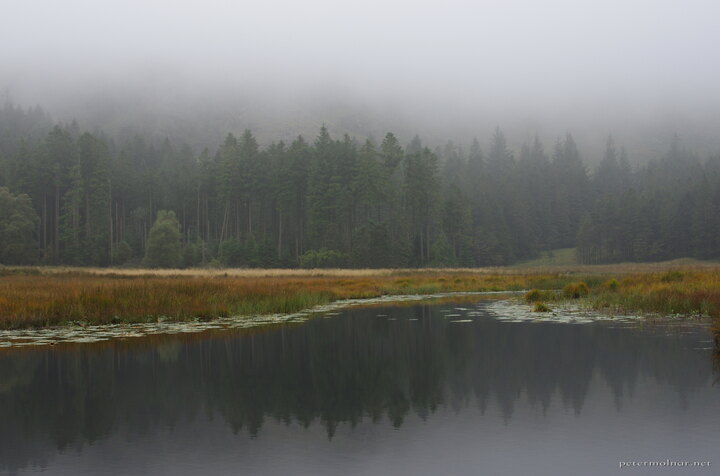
x=541, y=307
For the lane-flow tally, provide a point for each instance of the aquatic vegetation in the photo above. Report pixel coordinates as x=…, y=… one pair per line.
x=690, y=293
x=576, y=290
x=563, y=312
x=535, y=295
x=686, y=293
x=541, y=307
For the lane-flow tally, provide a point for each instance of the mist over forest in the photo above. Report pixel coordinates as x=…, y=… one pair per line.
x=376, y=134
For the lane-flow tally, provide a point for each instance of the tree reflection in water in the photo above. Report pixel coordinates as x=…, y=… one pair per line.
x=357, y=366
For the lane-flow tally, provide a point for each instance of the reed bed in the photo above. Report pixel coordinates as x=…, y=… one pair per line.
x=55, y=298
x=681, y=293
x=684, y=293
x=35, y=297
x=684, y=264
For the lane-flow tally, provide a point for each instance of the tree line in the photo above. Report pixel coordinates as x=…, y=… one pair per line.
x=78, y=198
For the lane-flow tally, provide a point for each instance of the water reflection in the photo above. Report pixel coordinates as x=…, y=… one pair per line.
x=355, y=367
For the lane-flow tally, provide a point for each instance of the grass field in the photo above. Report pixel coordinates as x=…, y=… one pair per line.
x=55, y=296
x=539, y=266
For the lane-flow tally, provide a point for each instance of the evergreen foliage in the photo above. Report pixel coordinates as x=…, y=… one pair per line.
x=95, y=200
x=163, y=248
x=18, y=221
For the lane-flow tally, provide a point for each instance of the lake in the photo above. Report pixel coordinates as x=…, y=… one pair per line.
x=417, y=389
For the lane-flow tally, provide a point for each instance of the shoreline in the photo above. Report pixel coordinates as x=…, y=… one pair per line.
x=75, y=334
x=45, y=297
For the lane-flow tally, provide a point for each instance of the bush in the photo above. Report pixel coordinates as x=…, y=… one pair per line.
x=576, y=290
x=611, y=285
x=535, y=295
x=541, y=307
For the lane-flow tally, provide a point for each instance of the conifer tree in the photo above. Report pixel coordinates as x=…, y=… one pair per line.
x=163, y=248
x=18, y=221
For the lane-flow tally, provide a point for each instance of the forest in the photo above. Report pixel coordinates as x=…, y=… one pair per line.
x=73, y=197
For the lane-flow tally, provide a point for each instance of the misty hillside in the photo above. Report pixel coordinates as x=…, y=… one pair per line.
x=201, y=120
x=195, y=71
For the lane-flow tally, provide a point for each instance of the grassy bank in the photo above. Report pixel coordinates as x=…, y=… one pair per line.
x=42, y=297
x=34, y=297
x=686, y=293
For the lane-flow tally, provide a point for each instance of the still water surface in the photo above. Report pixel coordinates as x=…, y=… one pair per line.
x=376, y=391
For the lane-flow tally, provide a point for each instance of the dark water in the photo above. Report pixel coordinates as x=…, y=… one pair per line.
x=358, y=393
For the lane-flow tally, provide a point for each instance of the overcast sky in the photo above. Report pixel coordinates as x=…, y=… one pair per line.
x=524, y=58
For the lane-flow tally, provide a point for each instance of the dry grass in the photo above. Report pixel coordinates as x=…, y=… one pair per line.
x=684, y=264
x=675, y=292
x=51, y=297
x=681, y=291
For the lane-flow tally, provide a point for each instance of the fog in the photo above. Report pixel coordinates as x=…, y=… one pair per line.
x=640, y=70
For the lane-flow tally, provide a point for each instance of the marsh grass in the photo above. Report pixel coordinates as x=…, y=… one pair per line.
x=536, y=295
x=687, y=293
x=86, y=297
x=552, y=272
x=33, y=297
x=576, y=290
